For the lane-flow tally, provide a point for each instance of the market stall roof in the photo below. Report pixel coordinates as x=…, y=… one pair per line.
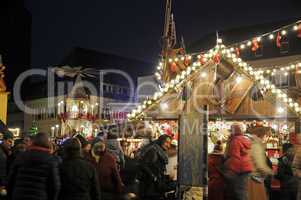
x=224, y=66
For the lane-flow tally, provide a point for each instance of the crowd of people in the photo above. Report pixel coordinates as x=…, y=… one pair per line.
x=36, y=168
x=243, y=171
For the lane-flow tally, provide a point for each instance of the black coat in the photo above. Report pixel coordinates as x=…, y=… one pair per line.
x=79, y=180
x=3, y=165
x=34, y=175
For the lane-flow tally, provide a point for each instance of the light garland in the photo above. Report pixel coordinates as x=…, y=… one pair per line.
x=285, y=30
x=264, y=83
x=176, y=82
x=271, y=71
x=228, y=54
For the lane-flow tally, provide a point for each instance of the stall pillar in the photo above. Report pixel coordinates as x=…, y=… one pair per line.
x=298, y=126
x=3, y=106
x=193, y=147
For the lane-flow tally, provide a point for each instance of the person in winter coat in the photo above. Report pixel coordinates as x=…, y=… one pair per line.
x=111, y=185
x=288, y=182
x=78, y=177
x=238, y=164
x=153, y=160
x=296, y=166
x=5, y=153
x=113, y=146
x=216, y=185
x=34, y=175
x=256, y=187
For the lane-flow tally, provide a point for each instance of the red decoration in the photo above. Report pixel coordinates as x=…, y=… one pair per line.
x=186, y=61
x=173, y=67
x=202, y=60
x=217, y=58
x=278, y=40
x=299, y=31
x=237, y=51
x=255, y=44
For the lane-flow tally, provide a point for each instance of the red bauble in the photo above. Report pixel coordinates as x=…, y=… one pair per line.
x=255, y=44
x=202, y=59
x=237, y=51
x=173, y=67
x=278, y=40
x=186, y=62
x=217, y=58
x=299, y=31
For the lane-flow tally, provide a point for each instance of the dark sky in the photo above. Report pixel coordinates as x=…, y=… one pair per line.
x=133, y=28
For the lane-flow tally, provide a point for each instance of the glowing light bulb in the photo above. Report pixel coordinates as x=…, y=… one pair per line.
x=242, y=46
x=203, y=75
x=271, y=36
x=295, y=28
x=258, y=39
x=283, y=32
x=249, y=43
x=238, y=79
x=280, y=110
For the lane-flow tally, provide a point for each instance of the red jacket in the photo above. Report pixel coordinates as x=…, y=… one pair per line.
x=238, y=157
x=216, y=180
x=108, y=174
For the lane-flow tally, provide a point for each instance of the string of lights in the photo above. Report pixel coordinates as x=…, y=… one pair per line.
x=227, y=54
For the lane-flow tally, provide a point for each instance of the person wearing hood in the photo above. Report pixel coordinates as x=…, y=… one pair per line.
x=114, y=147
x=111, y=185
x=238, y=164
x=256, y=187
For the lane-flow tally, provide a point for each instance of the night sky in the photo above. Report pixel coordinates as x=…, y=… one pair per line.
x=133, y=28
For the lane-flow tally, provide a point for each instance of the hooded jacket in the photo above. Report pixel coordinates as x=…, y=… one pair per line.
x=107, y=171
x=114, y=147
x=238, y=159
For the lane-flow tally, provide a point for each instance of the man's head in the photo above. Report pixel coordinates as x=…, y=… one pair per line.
x=8, y=138
x=72, y=147
x=164, y=141
x=41, y=140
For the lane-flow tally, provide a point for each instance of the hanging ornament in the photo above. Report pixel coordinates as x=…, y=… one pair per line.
x=202, y=59
x=255, y=44
x=173, y=67
x=299, y=31
x=181, y=51
x=217, y=58
x=237, y=52
x=186, y=61
x=278, y=40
